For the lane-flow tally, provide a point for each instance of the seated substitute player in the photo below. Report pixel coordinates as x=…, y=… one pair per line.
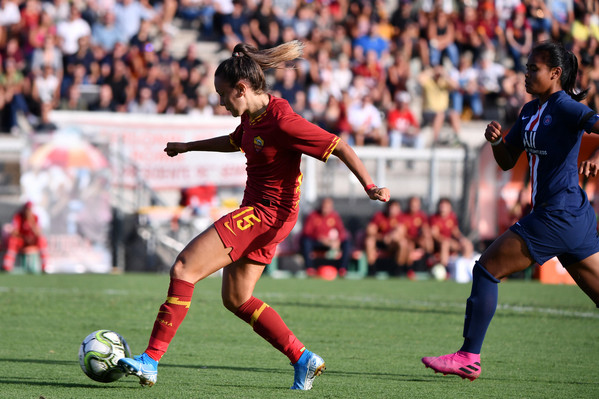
x=25, y=233
x=273, y=138
x=386, y=231
x=563, y=223
x=446, y=234
x=323, y=230
x=418, y=232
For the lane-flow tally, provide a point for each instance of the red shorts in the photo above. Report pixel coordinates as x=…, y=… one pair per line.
x=253, y=233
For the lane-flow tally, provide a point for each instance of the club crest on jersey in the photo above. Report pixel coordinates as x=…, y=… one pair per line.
x=258, y=143
x=547, y=120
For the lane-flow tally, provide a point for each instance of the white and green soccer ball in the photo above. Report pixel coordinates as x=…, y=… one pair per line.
x=99, y=353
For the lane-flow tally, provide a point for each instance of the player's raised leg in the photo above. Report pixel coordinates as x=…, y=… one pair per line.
x=505, y=256
x=239, y=280
x=203, y=256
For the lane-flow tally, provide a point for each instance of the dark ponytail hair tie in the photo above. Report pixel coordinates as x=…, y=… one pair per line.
x=237, y=54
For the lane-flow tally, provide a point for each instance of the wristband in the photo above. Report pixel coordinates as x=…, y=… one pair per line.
x=369, y=187
x=496, y=142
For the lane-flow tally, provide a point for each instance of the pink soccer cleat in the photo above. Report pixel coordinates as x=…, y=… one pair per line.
x=464, y=364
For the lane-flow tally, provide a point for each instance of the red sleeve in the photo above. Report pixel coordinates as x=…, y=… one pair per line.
x=303, y=136
x=413, y=120
x=235, y=137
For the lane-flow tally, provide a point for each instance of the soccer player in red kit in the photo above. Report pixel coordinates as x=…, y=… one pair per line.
x=323, y=230
x=446, y=233
x=26, y=233
x=387, y=231
x=273, y=138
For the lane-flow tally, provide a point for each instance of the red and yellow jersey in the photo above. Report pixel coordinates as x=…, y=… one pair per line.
x=384, y=223
x=415, y=222
x=273, y=144
x=318, y=226
x=26, y=229
x=445, y=224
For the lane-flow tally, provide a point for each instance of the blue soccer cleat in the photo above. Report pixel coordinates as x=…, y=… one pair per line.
x=307, y=368
x=142, y=366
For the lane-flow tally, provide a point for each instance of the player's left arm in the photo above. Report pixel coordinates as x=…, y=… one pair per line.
x=348, y=156
x=590, y=167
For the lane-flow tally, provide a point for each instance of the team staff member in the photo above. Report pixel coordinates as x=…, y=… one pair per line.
x=273, y=138
x=562, y=222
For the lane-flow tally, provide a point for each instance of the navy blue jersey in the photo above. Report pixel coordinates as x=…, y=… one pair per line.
x=551, y=134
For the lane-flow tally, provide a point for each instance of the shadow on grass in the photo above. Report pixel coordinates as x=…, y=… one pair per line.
x=32, y=382
x=288, y=371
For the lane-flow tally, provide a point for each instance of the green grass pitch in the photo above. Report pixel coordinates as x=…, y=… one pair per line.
x=542, y=343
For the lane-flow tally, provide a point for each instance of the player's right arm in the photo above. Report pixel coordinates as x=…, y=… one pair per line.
x=216, y=144
x=506, y=155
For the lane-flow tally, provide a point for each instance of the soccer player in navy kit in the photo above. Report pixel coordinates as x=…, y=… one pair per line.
x=563, y=223
x=273, y=138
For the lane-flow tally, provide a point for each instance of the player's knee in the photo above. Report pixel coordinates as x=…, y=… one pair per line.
x=230, y=303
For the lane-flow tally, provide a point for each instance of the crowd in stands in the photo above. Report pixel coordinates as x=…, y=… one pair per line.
x=366, y=62
x=394, y=241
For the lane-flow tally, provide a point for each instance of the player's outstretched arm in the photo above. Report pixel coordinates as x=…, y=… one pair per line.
x=216, y=144
x=348, y=156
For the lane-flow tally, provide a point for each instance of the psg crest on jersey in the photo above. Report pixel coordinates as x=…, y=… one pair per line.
x=547, y=120
x=258, y=143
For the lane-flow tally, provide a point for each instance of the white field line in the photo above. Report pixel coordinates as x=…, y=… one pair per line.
x=355, y=299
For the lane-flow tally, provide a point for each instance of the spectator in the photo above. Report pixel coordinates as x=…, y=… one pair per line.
x=518, y=36
x=398, y=73
x=490, y=76
x=468, y=36
x=441, y=38
x=374, y=75
x=144, y=104
x=562, y=17
x=373, y=41
x=324, y=231
x=465, y=89
x=14, y=96
x=69, y=32
x=43, y=29
x=286, y=85
x=26, y=234
x=119, y=81
x=48, y=54
x=46, y=87
x=386, y=237
x=366, y=123
x=74, y=101
x=436, y=86
x=342, y=74
x=105, y=101
x=446, y=234
x=539, y=18
x=403, y=126
x=128, y=17
x=105, y=33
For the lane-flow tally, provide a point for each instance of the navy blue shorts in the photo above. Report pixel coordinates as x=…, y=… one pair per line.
x=571, y=236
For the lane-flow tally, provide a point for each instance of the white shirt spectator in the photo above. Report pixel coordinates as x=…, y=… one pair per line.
x=71, y=31
x=9, y=13
x=364, y=116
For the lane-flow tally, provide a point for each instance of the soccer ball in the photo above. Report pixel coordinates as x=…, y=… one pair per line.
x=99, y=353
x=439, y=272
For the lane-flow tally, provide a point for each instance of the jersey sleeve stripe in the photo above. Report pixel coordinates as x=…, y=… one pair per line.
x=233, y=143
x=330, y=149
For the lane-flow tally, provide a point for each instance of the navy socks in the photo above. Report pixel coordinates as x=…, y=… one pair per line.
x=480, y=308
